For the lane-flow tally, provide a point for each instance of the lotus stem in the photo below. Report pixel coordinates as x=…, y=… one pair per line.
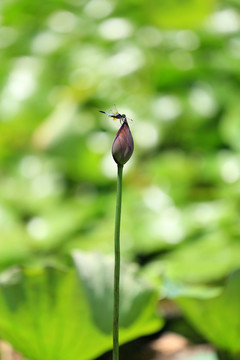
x=117, y=265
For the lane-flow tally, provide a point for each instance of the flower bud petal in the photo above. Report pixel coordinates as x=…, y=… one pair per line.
x=123, y=145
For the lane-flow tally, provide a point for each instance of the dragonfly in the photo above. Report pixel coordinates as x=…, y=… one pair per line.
x=115, y=115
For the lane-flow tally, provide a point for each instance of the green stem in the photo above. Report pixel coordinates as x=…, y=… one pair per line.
x=117, y=264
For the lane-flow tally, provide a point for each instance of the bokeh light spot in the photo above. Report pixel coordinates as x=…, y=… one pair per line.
x=145, y=134
x=155, y=198
x=166, y=107
x=188, y=40
x=38, y=228
x=149, y=36
x=30, y=166
x=115, y=28
x=168, y=226
x=98, y=142
x=230, y=170
x=45, y=43
x=225, y=21
x=62, y=21
x=124, y=62
x=202, y=101
x=98, y=9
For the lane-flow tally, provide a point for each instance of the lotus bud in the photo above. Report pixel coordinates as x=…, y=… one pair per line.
x=123, y=145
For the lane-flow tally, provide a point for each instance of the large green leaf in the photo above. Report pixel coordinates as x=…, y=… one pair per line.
x=137, y=298
x=206, y=259
x=48, y=313
x=218, y=319
x=173, y=290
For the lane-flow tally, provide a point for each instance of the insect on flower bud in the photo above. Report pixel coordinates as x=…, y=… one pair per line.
x=123, y=145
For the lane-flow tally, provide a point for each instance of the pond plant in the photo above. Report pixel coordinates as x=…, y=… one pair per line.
x=122, y=150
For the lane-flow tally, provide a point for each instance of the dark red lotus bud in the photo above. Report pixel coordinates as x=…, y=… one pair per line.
x=123, y=145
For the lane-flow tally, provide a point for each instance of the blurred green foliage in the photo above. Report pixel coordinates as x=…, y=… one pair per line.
x=172, y=67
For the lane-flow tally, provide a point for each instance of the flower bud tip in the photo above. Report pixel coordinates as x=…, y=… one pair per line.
x=123, y=145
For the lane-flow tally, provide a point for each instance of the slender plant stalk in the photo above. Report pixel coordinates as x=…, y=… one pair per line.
x=117, y=264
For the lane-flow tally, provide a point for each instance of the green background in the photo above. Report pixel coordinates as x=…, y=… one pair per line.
x=174, y=69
